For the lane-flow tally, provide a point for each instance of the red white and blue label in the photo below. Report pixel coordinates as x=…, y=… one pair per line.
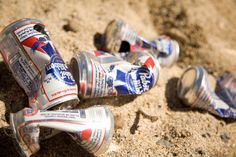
x=163, y=45
x=45, y=54
x=43, y=66
x=227, y=89
x=135, y=81
x=120, y=77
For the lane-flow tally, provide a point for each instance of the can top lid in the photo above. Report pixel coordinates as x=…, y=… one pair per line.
x=189, y=84
x=14, y=25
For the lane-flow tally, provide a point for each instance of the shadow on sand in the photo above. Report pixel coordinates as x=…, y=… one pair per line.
x=171, y=96
x=60, y=145
x=11, y=93
x=98, y=41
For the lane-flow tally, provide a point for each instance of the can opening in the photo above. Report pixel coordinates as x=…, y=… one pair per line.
x=75, y=71
x=125, y=46
x=40, y=28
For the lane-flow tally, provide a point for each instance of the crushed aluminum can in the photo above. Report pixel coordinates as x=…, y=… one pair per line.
x=227, y=88
x=194, y=91
x=36, y=65
x=91, y=128
x=119, y=37
x=101, y=74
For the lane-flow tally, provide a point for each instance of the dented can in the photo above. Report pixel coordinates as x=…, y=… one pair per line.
x=91, y=128
x=36, y=64
x=101, y=74
x=194, y=90
x=119, y=37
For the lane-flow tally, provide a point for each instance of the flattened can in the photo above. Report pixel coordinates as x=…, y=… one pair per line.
x=194, y=90
x=92, y=128
x=36, y=64
x=100, y=74
x=119, y=37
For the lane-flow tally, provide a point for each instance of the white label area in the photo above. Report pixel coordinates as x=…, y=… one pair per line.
x=25, y=32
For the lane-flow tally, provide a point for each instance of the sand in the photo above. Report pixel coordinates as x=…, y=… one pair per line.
x=155, y=123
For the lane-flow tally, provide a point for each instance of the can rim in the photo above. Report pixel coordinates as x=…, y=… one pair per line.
x=14, y=24
x=81, y=62
x=109, y=132
x=194, y=88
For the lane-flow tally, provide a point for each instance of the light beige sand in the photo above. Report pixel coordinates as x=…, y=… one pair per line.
x=206, y=32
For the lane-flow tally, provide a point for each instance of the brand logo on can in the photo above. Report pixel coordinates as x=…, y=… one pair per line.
x=58, y=69
x=140, y=80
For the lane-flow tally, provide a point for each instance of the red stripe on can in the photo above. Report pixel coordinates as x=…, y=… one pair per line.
x=97, y=53
x=86, y=134
x=149, y=63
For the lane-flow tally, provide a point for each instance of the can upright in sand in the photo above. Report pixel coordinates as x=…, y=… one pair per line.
x=36, y=64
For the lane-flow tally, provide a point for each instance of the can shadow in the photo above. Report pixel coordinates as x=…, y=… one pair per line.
x=7, y=145
x=11, y=93
x=64, y=146
x=61, y=145
x=112, y=101
x=14, y=98
x=98, y=41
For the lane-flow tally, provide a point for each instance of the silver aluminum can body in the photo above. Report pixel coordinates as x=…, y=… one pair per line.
x=36, y=64
x=92, y=128
x=97, y=138
x=101, y=74
x=189, y=84
x=119, y=37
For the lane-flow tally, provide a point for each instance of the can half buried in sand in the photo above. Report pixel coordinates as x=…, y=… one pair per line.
x=36, y=64
x=100, y=74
